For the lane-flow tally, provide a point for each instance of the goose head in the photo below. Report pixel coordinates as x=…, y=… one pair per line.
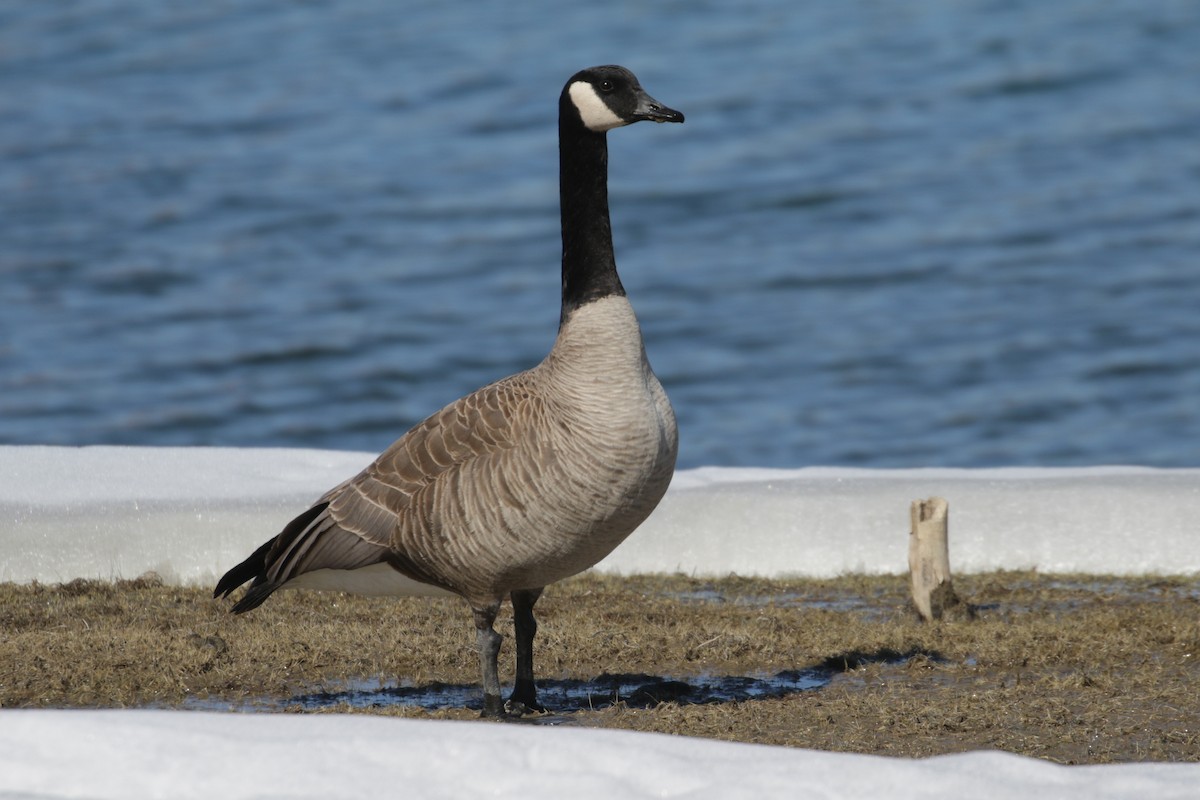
x=603, y=98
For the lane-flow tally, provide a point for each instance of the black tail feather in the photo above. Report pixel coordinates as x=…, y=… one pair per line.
x=255, y=567
x=254, y=597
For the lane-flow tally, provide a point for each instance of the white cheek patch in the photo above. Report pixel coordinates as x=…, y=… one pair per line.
x=596, y=114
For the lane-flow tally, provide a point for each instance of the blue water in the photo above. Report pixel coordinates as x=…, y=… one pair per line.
x=936, y=233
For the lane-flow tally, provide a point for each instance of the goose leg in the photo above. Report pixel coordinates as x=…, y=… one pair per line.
x=524, y=695
x=488, y=642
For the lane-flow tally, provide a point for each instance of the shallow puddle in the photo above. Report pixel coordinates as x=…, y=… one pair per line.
x=558, y=696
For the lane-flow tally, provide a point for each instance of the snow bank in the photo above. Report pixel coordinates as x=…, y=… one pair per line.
x=190, y=513
x=151, y=754
x=186, y=513
x=824, y=522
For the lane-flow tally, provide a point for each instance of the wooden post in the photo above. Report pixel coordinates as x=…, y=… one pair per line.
x=929, y=558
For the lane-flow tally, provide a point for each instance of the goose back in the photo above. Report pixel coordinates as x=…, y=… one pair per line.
x=522, y=483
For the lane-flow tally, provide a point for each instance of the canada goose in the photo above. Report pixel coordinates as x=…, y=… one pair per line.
x=528, y=480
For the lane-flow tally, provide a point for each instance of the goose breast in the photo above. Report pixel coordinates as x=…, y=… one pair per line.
x=536, y=477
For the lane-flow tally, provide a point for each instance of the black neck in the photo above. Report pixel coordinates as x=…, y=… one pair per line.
x=589, y=269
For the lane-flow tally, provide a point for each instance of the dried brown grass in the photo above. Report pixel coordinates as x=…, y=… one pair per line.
x=1082, y=669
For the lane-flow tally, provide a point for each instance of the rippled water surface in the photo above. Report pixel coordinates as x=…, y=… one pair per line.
x=941, y=233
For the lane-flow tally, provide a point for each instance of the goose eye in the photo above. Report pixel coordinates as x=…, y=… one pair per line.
x=606, y=86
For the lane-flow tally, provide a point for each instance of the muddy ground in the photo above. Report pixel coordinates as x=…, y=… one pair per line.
x=1075, y=669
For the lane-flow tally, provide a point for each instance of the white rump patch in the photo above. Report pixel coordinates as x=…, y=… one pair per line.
x=377, y=580
x=596, y=114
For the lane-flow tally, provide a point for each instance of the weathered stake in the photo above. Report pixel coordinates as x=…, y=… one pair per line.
x=929, y=559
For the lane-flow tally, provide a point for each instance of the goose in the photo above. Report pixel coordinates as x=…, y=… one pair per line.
x=528, y=480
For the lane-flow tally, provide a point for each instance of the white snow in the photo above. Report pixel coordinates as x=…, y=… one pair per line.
x=180, y=755
x=190, y=513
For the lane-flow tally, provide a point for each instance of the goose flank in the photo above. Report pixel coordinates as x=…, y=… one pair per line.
x=528, y=480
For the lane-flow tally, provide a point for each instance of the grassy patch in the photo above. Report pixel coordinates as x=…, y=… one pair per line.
x=1077, y=669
